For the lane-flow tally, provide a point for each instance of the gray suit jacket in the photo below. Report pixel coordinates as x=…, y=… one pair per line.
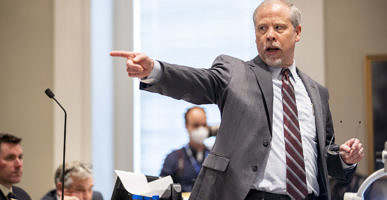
x=243, y=92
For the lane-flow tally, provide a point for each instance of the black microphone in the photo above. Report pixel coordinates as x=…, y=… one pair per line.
x=51, y=95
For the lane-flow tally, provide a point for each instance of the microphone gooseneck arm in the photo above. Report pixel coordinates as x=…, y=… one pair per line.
x=51, y=95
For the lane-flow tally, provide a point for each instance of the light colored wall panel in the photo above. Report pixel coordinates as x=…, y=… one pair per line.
x=353, y=29
x=26, y=59
x=72, y=79
x=309, y=54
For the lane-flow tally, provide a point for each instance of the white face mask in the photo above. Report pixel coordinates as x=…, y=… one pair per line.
x=199, y=135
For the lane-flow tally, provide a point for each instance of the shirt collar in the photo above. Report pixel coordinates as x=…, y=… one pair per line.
x=5, y=190
x=276, y=71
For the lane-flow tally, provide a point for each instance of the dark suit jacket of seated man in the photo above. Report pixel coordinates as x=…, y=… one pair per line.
x=18, y=193
x=276, y=123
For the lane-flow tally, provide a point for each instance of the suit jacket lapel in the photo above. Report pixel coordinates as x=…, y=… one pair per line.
x=314, y=95
x=2, y=196
x=265, y=82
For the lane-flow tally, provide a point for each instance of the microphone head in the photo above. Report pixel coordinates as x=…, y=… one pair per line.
x=49, y=93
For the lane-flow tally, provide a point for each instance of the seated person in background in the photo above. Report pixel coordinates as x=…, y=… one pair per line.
x=78, y=182
x=184, y=164
x=376, y=191
x=11, y=168
x=338, y=187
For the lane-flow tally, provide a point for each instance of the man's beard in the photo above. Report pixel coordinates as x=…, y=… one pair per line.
x=274, y=62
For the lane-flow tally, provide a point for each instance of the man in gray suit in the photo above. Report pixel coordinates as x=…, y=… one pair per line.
x=276, y=129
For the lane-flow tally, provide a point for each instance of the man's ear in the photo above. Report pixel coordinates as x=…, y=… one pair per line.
x=298, y=32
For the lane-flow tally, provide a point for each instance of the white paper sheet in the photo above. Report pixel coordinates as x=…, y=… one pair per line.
x=137, y=184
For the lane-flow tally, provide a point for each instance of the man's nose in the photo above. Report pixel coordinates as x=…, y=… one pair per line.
x=271, y=35
x=18, y=162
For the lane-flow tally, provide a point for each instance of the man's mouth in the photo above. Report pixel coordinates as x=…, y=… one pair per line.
x=17, y=173
x=272, y=49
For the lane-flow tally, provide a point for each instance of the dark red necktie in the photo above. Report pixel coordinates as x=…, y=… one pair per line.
x=295, y=165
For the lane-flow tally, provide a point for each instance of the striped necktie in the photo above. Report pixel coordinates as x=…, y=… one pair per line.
x=295, y=166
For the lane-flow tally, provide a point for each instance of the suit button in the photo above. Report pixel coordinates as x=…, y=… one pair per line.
x=265, y=142
x=254, y=168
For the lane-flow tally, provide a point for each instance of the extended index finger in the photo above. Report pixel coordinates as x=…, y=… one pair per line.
x=124, y=54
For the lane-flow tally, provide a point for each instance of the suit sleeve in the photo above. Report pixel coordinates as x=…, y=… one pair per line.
x=198, y=86
x=334, y=162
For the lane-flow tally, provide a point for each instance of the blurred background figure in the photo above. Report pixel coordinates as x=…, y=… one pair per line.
x=184, y=164
x=376, y=191
x=78, y=183
x=11, y=168
x=338, y=187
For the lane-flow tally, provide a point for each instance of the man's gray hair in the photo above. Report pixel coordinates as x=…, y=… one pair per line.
x=73, y=169
x=295, y=13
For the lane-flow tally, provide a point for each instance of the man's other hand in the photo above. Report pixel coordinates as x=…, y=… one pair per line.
x=352, y=151
x=137, y=64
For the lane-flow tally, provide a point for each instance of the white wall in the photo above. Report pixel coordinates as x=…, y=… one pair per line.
x=102, y=95
x=310, y=51
x=71, y=76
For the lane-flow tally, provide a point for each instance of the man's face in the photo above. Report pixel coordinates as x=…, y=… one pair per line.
x=11, y=163
x=81, y=188
x=275, y=35
x=196, y=118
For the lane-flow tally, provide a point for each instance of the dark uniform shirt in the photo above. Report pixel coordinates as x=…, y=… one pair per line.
x=183, y=167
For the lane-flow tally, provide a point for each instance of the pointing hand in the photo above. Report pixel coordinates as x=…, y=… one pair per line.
x=137, y=64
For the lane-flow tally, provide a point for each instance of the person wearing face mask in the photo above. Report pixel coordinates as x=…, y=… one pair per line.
x=184, y=164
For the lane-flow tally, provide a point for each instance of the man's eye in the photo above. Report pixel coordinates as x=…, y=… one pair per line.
x=279, y=27
x=261, y=28
x=9, y=158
